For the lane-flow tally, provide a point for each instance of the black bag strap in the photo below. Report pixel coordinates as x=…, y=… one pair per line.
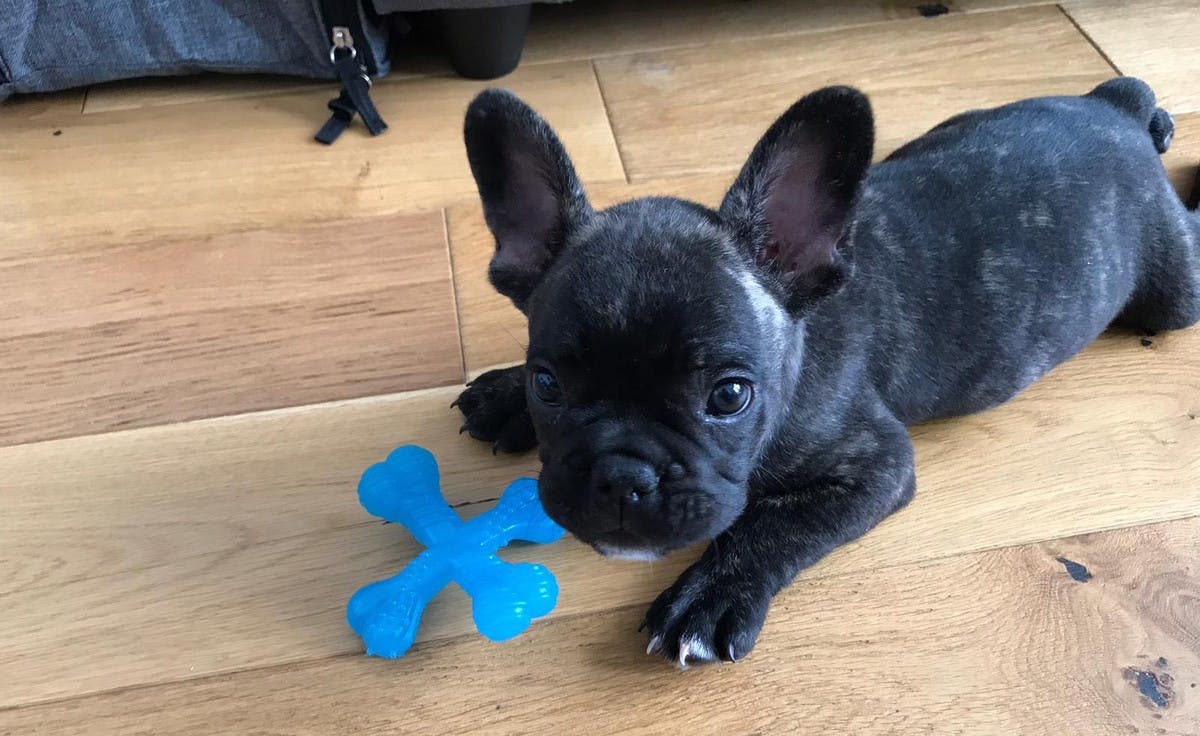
x=355, y=97
x=343, y=114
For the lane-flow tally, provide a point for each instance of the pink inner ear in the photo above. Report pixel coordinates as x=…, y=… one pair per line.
x=529, y=216
x=798, y=212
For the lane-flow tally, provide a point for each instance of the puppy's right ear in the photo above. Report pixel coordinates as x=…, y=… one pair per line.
x=532, y=199
x=795, y=197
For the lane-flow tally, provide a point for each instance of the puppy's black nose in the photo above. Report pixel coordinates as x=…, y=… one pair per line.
x=620, y=477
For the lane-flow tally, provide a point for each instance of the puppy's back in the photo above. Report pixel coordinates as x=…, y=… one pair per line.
x=1001, y=243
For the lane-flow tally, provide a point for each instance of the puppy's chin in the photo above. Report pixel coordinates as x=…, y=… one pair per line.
x=629, y=554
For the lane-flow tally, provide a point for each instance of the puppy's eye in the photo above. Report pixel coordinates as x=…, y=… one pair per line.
x=545, y=387
x=729, y=397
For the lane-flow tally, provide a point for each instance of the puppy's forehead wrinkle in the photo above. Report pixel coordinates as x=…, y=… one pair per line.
x=651, y=280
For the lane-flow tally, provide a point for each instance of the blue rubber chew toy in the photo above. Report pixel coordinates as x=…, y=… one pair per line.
x=505, y=597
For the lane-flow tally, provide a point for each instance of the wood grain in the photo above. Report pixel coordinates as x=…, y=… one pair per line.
x=608, y=27
x=44, y=108
x=251, y=162
x=998, y=642
x=234, y=543
x=131, y=94
x=1157, y=40
x=141, y=333
x=674, y=113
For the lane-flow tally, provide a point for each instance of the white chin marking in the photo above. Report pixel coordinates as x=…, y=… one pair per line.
x=625, y=553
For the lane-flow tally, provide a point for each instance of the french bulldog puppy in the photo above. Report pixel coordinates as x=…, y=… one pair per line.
x=745, y=375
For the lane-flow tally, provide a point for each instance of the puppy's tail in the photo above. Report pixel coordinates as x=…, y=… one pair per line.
x=1134, y=97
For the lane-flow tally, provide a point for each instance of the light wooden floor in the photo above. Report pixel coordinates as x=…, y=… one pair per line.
x=209, y=326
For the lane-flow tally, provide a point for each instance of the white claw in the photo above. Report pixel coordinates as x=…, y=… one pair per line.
x=683, y=655
x=693, y=647
x=655, y=641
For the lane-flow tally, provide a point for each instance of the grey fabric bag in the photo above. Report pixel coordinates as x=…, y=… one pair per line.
x=48, y=45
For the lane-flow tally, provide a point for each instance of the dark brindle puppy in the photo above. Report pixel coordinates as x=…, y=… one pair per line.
x=745, y=375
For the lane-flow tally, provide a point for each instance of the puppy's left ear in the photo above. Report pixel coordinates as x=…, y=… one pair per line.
x=532, y=199
x=795, y=196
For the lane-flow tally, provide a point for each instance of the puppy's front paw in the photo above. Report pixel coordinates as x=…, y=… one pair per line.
x=708, y=615
x=495, y=410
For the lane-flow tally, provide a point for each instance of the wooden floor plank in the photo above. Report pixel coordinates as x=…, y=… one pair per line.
x=45, y=108
x=494, y=332
x=127, y=335
x=252, y=161
x=674, y=113
x=609, y=27
x=1157, y=40
x=999, y=642
x=235, y=542
x=131, y=94
x=135, y=500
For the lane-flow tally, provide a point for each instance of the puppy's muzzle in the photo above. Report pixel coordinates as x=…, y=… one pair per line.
x=621, y=479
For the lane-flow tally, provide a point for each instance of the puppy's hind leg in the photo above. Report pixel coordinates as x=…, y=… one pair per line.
x=1168, y=292
x=1167, y=296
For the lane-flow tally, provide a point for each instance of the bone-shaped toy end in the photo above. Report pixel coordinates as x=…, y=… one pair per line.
x=518, y=594
x=385, y=616
x=405, y=489
x=520, y=511
x=411, y=469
